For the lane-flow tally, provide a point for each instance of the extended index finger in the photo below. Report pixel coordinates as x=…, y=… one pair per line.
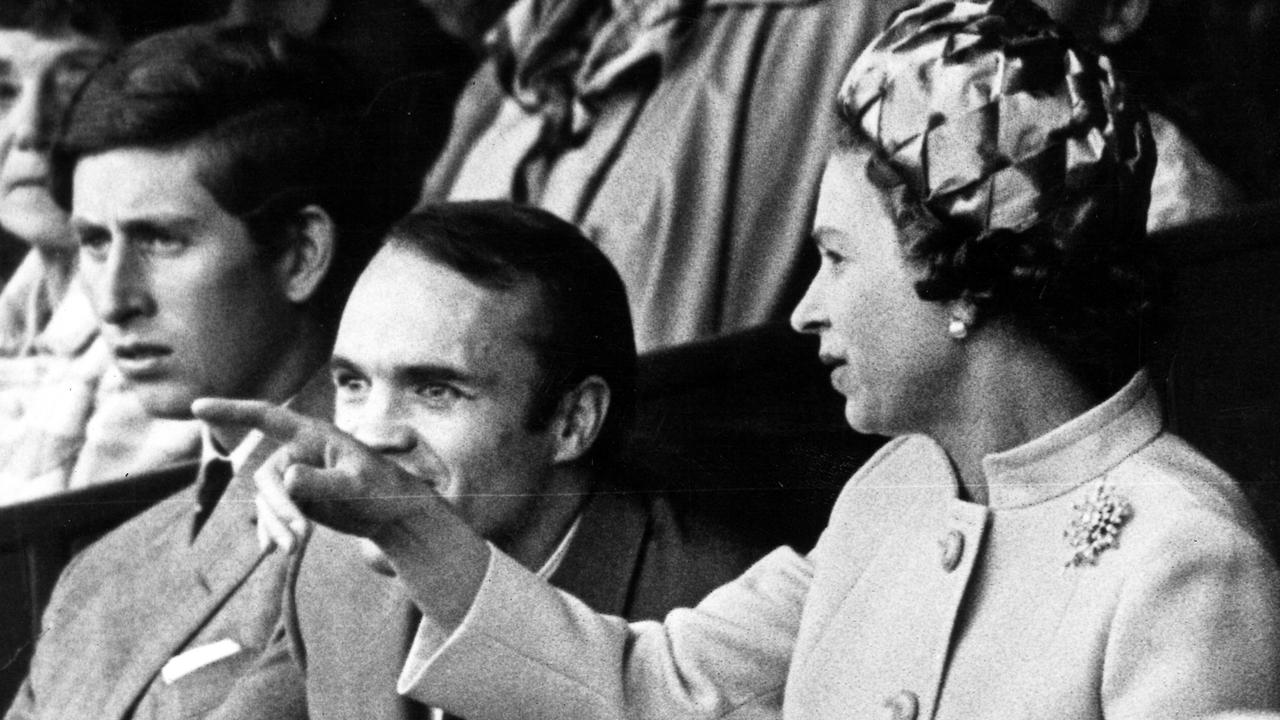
x=274, y=421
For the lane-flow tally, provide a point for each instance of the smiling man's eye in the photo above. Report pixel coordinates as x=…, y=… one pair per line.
x=348, y=382
x=93, y=241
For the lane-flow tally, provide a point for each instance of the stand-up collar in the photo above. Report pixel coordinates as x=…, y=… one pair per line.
x=1078, y=451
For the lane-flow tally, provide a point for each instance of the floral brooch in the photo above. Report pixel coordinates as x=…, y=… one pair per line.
x=1096, y=525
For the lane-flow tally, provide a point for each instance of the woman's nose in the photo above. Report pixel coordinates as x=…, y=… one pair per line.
x=32, y=118
x=808, y=317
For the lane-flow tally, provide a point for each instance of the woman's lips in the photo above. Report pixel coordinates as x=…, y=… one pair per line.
x=838, y=372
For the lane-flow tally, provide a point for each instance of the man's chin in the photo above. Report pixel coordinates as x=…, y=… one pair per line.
x=164, y=403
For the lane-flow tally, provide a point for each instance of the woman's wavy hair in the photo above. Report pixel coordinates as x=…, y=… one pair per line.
x=1018, y=173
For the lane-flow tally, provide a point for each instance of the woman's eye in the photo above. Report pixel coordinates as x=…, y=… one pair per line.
x=9, y=92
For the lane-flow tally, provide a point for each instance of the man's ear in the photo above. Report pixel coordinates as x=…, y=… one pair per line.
x=579, y=419
x=1121, y=19
x=304, y=265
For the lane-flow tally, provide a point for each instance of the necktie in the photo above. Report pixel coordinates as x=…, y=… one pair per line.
x=213, y=481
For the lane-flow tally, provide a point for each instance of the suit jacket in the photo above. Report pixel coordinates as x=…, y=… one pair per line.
x=351, y=628
x=145, y=593
x=916, y=603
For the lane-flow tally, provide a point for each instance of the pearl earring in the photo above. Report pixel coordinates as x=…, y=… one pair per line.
x=958, y=329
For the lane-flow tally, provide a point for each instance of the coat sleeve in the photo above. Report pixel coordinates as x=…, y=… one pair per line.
x=541, y=653
x=1197, y=628
x=24, y=703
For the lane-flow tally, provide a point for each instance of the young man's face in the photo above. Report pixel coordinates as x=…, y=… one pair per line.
x=38, y=75
x=189, y=307
x=438, y=373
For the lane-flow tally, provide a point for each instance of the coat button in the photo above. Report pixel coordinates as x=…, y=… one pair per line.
x=952, y=550
x=903, y=706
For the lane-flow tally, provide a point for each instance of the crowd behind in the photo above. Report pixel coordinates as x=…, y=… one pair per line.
x=421, y=244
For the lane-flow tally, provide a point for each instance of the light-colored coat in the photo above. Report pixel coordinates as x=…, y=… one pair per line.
x=915, y=603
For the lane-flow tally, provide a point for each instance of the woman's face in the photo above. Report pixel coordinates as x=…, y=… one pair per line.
x=38, y=76
x=889, y=351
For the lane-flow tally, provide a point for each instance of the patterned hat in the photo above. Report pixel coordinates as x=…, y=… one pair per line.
x=994, y=118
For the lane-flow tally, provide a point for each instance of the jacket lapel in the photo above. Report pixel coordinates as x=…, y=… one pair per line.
x=599, y=567
x=175, y=588
x=226, y=550
x=179, y=585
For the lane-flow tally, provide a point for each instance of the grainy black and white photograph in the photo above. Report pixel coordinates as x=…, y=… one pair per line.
x=639, y=359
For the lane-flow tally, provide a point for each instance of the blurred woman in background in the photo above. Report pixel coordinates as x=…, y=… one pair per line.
x=44, y=56
x=64, y=418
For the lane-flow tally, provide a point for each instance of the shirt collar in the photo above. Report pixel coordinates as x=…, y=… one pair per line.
x=209, y=449
x=1084, y=448
x=553, y=563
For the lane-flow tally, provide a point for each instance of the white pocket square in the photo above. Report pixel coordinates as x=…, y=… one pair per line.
x=191, y=660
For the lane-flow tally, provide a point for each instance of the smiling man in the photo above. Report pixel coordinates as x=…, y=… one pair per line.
x=488, y=347
x=213, y=179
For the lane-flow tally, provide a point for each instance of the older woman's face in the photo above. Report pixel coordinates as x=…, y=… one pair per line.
x=38, y=75
x=889, y=351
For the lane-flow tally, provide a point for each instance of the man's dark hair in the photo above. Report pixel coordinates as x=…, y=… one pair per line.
x=52, y=18
x=277, y=120
x=111, y=21
x=586, y=328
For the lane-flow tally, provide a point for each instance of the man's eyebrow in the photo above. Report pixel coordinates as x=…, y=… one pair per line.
x=159, y=223
x=429, y=372
x=164, y=222
x=6, y=66
x=337, y=362
x=420, y=373
x=79, y=224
